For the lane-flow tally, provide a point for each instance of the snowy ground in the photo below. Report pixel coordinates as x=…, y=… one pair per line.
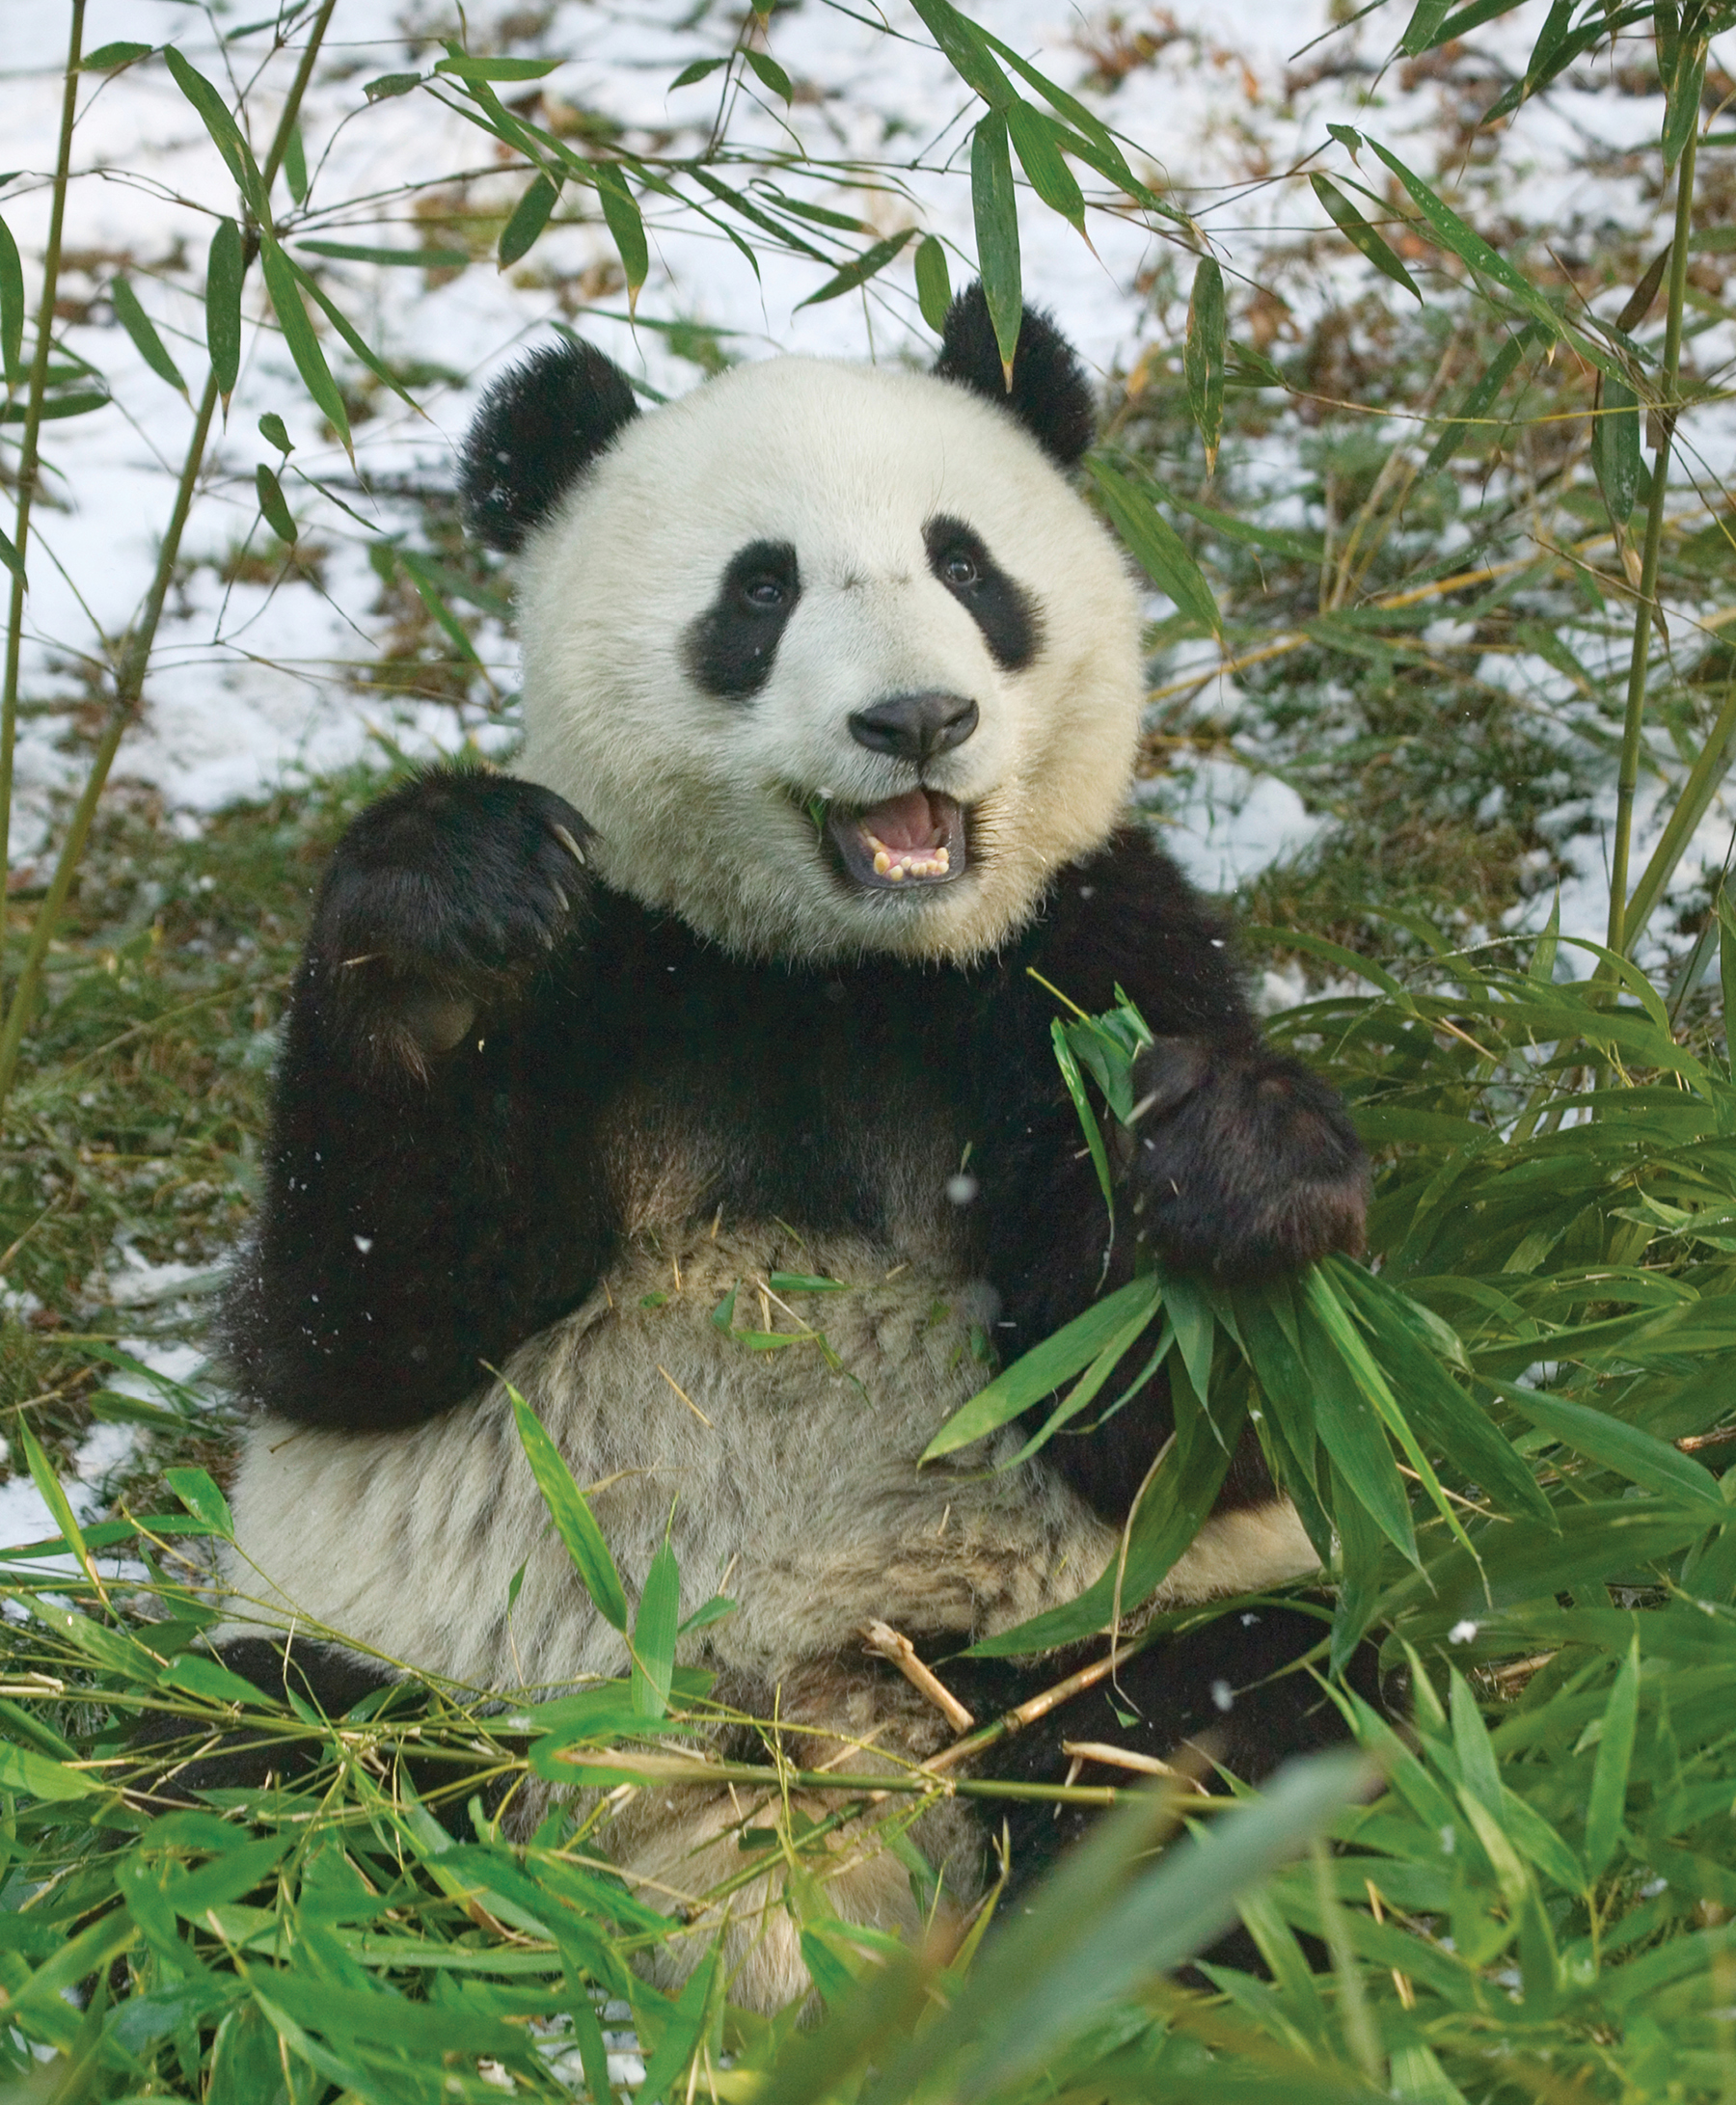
x=254, y=682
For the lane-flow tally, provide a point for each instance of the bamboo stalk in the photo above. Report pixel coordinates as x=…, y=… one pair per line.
x=129, y=680
x=30, y=443
x=1634, y=720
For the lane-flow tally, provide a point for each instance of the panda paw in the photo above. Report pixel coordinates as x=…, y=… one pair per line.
x=1242, y=1164
x=441, y=902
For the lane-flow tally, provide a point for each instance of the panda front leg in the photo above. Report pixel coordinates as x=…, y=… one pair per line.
x=430, y=1197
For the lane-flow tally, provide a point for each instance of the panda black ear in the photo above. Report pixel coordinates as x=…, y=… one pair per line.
x=540, y=425
x=1049, y=395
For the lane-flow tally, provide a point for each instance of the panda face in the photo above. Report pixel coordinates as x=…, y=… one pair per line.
x=835, y=662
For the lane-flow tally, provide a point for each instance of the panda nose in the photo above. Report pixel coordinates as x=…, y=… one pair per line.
x=914, y=726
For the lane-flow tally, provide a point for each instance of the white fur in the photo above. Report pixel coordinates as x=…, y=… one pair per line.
x=699, y=802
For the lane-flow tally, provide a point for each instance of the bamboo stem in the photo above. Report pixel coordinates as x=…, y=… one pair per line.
x=1633, y=721
x=29, y=444
x=129, y=680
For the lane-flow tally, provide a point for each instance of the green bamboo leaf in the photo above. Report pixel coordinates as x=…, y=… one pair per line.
x=995, y=205
x=1086, y=1389
x=1460, y=240
x=1681, y=109
x=352, y=252
x=433, y=597
x=272, y=431
x=654, y=1631
x=1479, y=1773
x=149, y=346
x=384, y=86
x=281, y=283
x=1424, y=27
x=626, y=227
x=1616, y=446
x=1726, y=969
x=1180, y=1492
x=1478, y=397
x=223, y=270
x=700, y=70
x=56, y=1500
x=1628, y=1449
x=1042, y=1371
x=1081, y=1102
x=1203, y=356
x=967, y=50
x=1351, y=1432
x=202, y=1499
x=351, y=336
x=573, y=1519
x=1361, y=235
x=1033, y=137
x=770, y=74
x=1155, y=546
x=36, y=1776
x=272, y=504
x=1300, y=548
x=858, y=271
x=12, y=306
x=462, y=67
x=1607, y=1800
x=10, y=556
x=934, y=286
x=58, y=407
x=1360, y=1541
x=226, y=133
x=109, y=58
x=529, y=216
x=295, y=165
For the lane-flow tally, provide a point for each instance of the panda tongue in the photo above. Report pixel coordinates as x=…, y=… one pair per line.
x=901, y=823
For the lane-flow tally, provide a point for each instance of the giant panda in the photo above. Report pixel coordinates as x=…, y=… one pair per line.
x=831, y=687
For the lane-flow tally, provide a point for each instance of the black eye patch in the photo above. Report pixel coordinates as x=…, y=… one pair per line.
x=1001, y=610
x=731, y=648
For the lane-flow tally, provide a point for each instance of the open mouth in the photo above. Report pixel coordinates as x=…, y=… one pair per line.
x=906, y=844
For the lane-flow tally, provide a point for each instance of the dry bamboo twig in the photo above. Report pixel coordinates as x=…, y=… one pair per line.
x=888, y=1643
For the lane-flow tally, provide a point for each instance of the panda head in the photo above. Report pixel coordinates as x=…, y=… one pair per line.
x=832, y=657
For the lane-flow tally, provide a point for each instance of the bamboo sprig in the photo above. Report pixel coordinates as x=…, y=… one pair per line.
x=130, y=679
x=30, y=442
x=1634, y=720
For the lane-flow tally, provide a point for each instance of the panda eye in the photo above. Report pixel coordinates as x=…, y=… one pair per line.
x=958, y=570
x=764, y=593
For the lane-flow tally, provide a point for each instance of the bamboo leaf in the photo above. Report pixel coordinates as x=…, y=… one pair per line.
x=295, y=165
x=700, y=70
x=1607, y=1800
x=1681, y=109
x=1616, y=446
x=967, y=50
x=386, y=87
x=281, y=283
x=934, y=286
x=626, y=227
x=654, y=1631
x=573, y=1519
x=1081, y=1102
x=770, y=74
x=858, y=271
x=12, y=306
x=202, y=1499
x=433, y=597
x=272, y=505
x=37, y=1776
x=224, y=269
x=1478, y=397
x=1203, y=356
x=149, y=346
x=226, y=133
x=995, y=205
x=10, y=556
x=462, y=67
x=352, y=252
x=1360, y=1541
x=1424, y=27
x=1156, y=546
x=109, y=58
x=55, y=1498
x=1033, y=137
x=1628, y=1449
x=1042, y=1371
x=1361, y=235
x=529, y=216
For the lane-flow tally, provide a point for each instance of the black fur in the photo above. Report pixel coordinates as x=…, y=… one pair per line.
x=731, y=648
x=1001, y=608
x=436, y=1195
x=1049, y=395
x=539, y=426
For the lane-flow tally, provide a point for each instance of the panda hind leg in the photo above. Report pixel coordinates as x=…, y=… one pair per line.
x=1215, y=1694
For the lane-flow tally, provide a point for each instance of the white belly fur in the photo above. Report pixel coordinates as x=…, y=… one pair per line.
x=779, y=1480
